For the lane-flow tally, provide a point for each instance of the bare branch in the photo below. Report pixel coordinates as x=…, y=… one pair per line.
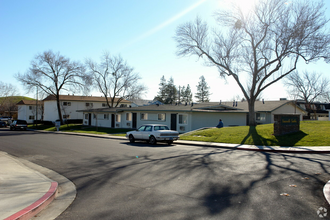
x=53, y=73
x=115, y=79
x=265, y=44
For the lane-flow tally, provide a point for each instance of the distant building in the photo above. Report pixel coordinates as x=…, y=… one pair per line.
x=141, y=102
x=316, y=110
x=71, y=103
x=30, y=110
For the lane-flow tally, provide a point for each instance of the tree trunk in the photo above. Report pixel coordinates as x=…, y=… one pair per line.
x=252, y=115
x=59, y=109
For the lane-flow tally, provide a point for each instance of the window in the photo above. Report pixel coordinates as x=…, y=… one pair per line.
x=260, y=116
x=30, y=107
x=161, y=117
x=157, y=128
x=31, y=117
x=142, y=128
x=144, y=116
x=128, y=116
x=117, y=118
x=94, y=116
x=104, y=104
x=106, y=116
x=123, y=105
x=66, y=103
x=86, y=116
x=66, y=116
x=89, y=104
x=148, y=128
x=183, y=119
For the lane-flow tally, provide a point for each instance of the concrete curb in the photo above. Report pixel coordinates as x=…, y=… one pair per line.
x=37, y=206
x=326, y=191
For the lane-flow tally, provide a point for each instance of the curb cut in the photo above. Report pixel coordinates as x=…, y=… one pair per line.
x=37, y=206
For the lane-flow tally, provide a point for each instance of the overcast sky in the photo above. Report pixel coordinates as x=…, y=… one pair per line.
x=141, y=31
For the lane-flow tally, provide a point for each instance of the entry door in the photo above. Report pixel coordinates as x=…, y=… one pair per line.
x=134, y=121
x=173, y=121
x=112, y=120
x=89, y=119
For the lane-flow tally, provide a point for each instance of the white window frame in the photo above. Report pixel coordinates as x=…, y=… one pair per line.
x=30, y=107
x=118, y=118
x=262, y=116
x=161, y=117
x=128, y=116
x=184, y=122
x=66, y=103
x=31, y=117
x=106, y=116
x=143, y=116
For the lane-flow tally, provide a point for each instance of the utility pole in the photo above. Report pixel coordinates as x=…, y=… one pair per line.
x=36, y=108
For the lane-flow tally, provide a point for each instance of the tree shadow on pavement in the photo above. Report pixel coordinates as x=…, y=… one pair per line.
x=203, y=183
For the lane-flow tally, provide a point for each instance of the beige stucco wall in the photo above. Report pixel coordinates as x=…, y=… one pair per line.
x=288, y=109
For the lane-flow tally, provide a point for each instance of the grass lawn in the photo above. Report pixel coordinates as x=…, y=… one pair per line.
x=312, y=133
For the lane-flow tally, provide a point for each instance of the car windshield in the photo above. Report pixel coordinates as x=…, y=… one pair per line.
x=157, y=128
x=141, y=128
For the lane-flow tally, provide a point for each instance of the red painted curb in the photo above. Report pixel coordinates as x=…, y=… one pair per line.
x=37, y=206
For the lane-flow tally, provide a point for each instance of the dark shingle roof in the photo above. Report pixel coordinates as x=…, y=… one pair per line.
x=29, y=102
x=81, y=98
x=266, y=106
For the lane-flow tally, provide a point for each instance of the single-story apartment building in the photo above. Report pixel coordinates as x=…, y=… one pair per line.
x=188, y=117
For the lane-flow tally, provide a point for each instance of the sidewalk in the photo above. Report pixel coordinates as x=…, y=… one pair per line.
x=23, y=191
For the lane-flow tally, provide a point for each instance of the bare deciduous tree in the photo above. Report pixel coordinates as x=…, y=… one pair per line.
x=7, y=89
x=7, y=101
x=115, y=79
x=54, y=73
x=259, y=48
x=309, y=87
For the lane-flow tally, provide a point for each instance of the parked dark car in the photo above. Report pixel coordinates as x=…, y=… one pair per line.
x=5, y=118
x=3, y=124
x=18, y=124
